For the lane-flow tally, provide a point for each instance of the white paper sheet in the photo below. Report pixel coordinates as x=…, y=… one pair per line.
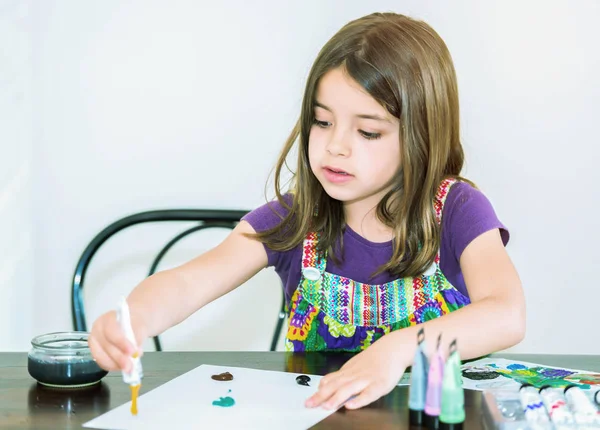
x=263, y=399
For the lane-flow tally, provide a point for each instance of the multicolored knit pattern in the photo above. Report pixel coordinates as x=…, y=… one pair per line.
x=438, y=204
x=311, y=329
x=309, y=253
x=440, y=197
x=334, y=313
x=351, y=302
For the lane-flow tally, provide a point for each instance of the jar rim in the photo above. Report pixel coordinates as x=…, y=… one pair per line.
x=45, y=340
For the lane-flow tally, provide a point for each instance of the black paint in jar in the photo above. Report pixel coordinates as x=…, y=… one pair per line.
x=64, y=360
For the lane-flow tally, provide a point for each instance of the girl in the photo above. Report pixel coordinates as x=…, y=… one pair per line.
x=379, y=235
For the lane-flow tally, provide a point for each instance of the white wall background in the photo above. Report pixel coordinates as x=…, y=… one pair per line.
x=17, y=239
x=141, y=105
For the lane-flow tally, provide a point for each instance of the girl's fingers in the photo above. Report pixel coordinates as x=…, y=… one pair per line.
x=122, y=360
x=327, y=387
x=328, y=378
x=368, y=395
x=345, y=392
x=114, y=335
x=102, y=358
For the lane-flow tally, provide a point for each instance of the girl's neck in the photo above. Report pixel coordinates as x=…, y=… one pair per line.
x=361, y=216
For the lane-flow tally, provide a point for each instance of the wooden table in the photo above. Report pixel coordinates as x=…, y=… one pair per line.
x=26, y=405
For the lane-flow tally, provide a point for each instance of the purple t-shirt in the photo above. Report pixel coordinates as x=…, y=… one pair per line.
x=467, y=214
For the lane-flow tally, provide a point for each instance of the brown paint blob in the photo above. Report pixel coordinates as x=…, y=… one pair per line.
x=226, y=376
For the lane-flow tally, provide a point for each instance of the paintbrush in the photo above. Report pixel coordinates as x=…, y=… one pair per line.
x=133, y=377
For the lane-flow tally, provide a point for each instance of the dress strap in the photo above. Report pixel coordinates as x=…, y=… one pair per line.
x=312, y=265
x=438, y=204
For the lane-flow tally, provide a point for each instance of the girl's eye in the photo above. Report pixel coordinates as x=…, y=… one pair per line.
x=369, y=136
x=322, y=124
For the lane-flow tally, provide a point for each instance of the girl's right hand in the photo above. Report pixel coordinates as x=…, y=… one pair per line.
x=110, y=348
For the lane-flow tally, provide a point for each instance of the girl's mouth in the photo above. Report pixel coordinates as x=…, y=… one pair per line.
x=336, y=175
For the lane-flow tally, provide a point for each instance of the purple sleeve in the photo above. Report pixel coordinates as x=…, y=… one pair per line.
x=265, y=217
x=467, y=214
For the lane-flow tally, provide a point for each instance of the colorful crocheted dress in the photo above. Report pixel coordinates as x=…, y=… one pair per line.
x=328, y=312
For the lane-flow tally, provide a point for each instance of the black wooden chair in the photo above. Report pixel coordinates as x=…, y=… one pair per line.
x=205, y=218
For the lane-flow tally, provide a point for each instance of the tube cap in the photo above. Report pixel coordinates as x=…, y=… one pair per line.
x=450, y=426
x=416, y=417
x=432, y=422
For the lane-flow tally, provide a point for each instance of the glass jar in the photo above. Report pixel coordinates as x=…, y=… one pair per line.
x=63, y=359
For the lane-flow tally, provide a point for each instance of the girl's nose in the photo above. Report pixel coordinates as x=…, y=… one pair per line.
x=338, y=145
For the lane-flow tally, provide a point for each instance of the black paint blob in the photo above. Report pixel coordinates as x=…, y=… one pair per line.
x=303, y=380
x=480, y=375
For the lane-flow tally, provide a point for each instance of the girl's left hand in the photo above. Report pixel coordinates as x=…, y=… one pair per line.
x=369, y=375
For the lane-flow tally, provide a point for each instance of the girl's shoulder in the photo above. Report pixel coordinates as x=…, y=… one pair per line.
x=266, y=217
x=463, y=196
x=462, y=191
x=270, y=214
x=468, y=213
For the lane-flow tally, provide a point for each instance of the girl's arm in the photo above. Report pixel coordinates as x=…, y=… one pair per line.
x=169, y=297
x=494, y=320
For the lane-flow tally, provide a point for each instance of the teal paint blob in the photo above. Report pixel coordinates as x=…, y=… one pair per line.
x=225, y=402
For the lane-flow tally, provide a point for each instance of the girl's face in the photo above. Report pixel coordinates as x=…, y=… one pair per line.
x=354, y=143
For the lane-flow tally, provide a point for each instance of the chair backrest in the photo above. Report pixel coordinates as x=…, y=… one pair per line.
x=205, y=218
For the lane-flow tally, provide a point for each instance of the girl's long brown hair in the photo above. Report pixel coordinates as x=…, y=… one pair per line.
x=404, y=65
